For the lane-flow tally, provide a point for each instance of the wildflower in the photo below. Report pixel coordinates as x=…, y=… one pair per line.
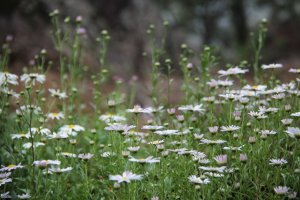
x=28, y=145
x=279, y=96
x=127, y=177
x=256, y=114
x=134, y=149
x=57, y=93
x=268, y=132
x=243, y=157
x=57, y=116
x=45, y=163
x=5, y=175
x=212, y=174
x=85, y=156
x=230, y=128
x=6, y=78
x=72, y=127
x=119, y=127
x=60, y=170
x=293, y=132
x=5, y=180
x=198, y=136
x=149, y=159
x=20, y=136
x=107, y=154
x=292, y=70
x=32, y=78
x=233, y=148
x=292, y=195
x=278, y=161
x=24, y=196
x=287, y=121
x=59, y=135
x=196, y=108
x=213, y=129
x=67, y=154
x=221, y=159
x=206, y=141
x=5, y=195
x=198, y=180
x=40, y=130
x=156, y=142
x=232, y=71
x=223, y=83
x=168, y=132
x=217, y=169
x=281, y=190
x=296, y=114
x=267, y=110
x=108, y=118
x=138, y=109
x=152, y=128
x=271, y=66
x=11, y=167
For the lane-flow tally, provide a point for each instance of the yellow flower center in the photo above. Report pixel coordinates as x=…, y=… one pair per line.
x=11, y=166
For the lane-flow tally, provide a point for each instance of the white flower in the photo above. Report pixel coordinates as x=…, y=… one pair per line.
x=233, y=148
x=59, y=170
x=296, y=114
x=293, y=132
x=32, y=78
x=287, y=121
x=255, y=87
x=6, y=77
x=196, y=108
x=198, y=180
x=292, y=70
x=107, y=154
x=278, y=161
x=19, y=136
x=134, y=149
x=168, y=132
x=216, y=169
x=57, y=93
x=213, y=174
x=5, y=195
x=5, y=175
x=213, y=129
x=268, y=132
x=206, y=141
x=281, y=190
x=229, y=128
x=45, y=163
x=271, y=66
x=108, y=118
x=149, y=127
x=59, y=135
x=35, y=144
x=85, y=156
x=221, y=159
x=216, y=83
x=57, y=116
x=149, y=159
x=139, y=109
x=10, y=167
x=24, y=196
x=232, y=71
x=119, y=127
x=71, y=129
x=127, y=176
x=5, y=180
x=67, y=154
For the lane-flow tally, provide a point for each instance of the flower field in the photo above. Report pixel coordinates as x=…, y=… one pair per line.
x=230, y=137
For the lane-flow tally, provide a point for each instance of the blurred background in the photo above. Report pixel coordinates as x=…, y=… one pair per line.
x=226, y=25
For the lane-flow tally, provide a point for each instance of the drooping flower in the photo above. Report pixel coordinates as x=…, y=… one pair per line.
x=32, y=78
x=57, y=93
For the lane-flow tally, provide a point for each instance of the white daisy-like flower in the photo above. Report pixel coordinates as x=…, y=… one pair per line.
x=212, y=174
x=109, y=118
x=138, y=109
x=5, y=180
x=149, y=159
x=229, y=96
x=24, y=196
x=5, y=175
x=156, y=142
x=272, y=66
x=239, y=148
x=35, y=145
x=198, y=180
x=229, y=128
x=60, y=170
x=127, y=177
x=232, y=71
x=67, y=154
x=278, y=96
x=293, y=132
x=207, y=141
x=5, y=195
x=59, y=135
x=267, y=132
x=32, y=78
x=213, y=129
x=168, y=132
x=267, y=110
x=10, y=167
x=45, y=163
x=152, y=128
x=216, y=83
x=40, y=130
x=296, y=114
x=221, y=159
x=281, y=190
x=198, y=136
x=119, y=127
x=71, y=129
x=197, y=108
x=280, y=161
x=57, y=93
x=29, y=108
x=107, y=154
x=287, y=121
x=213, y=169
x=293, y=70
x=85, y=156
x=20, y=136
x=134, y=149
x=255, y=87
x=6, y=77
x=55, y=115
x=256, y=114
